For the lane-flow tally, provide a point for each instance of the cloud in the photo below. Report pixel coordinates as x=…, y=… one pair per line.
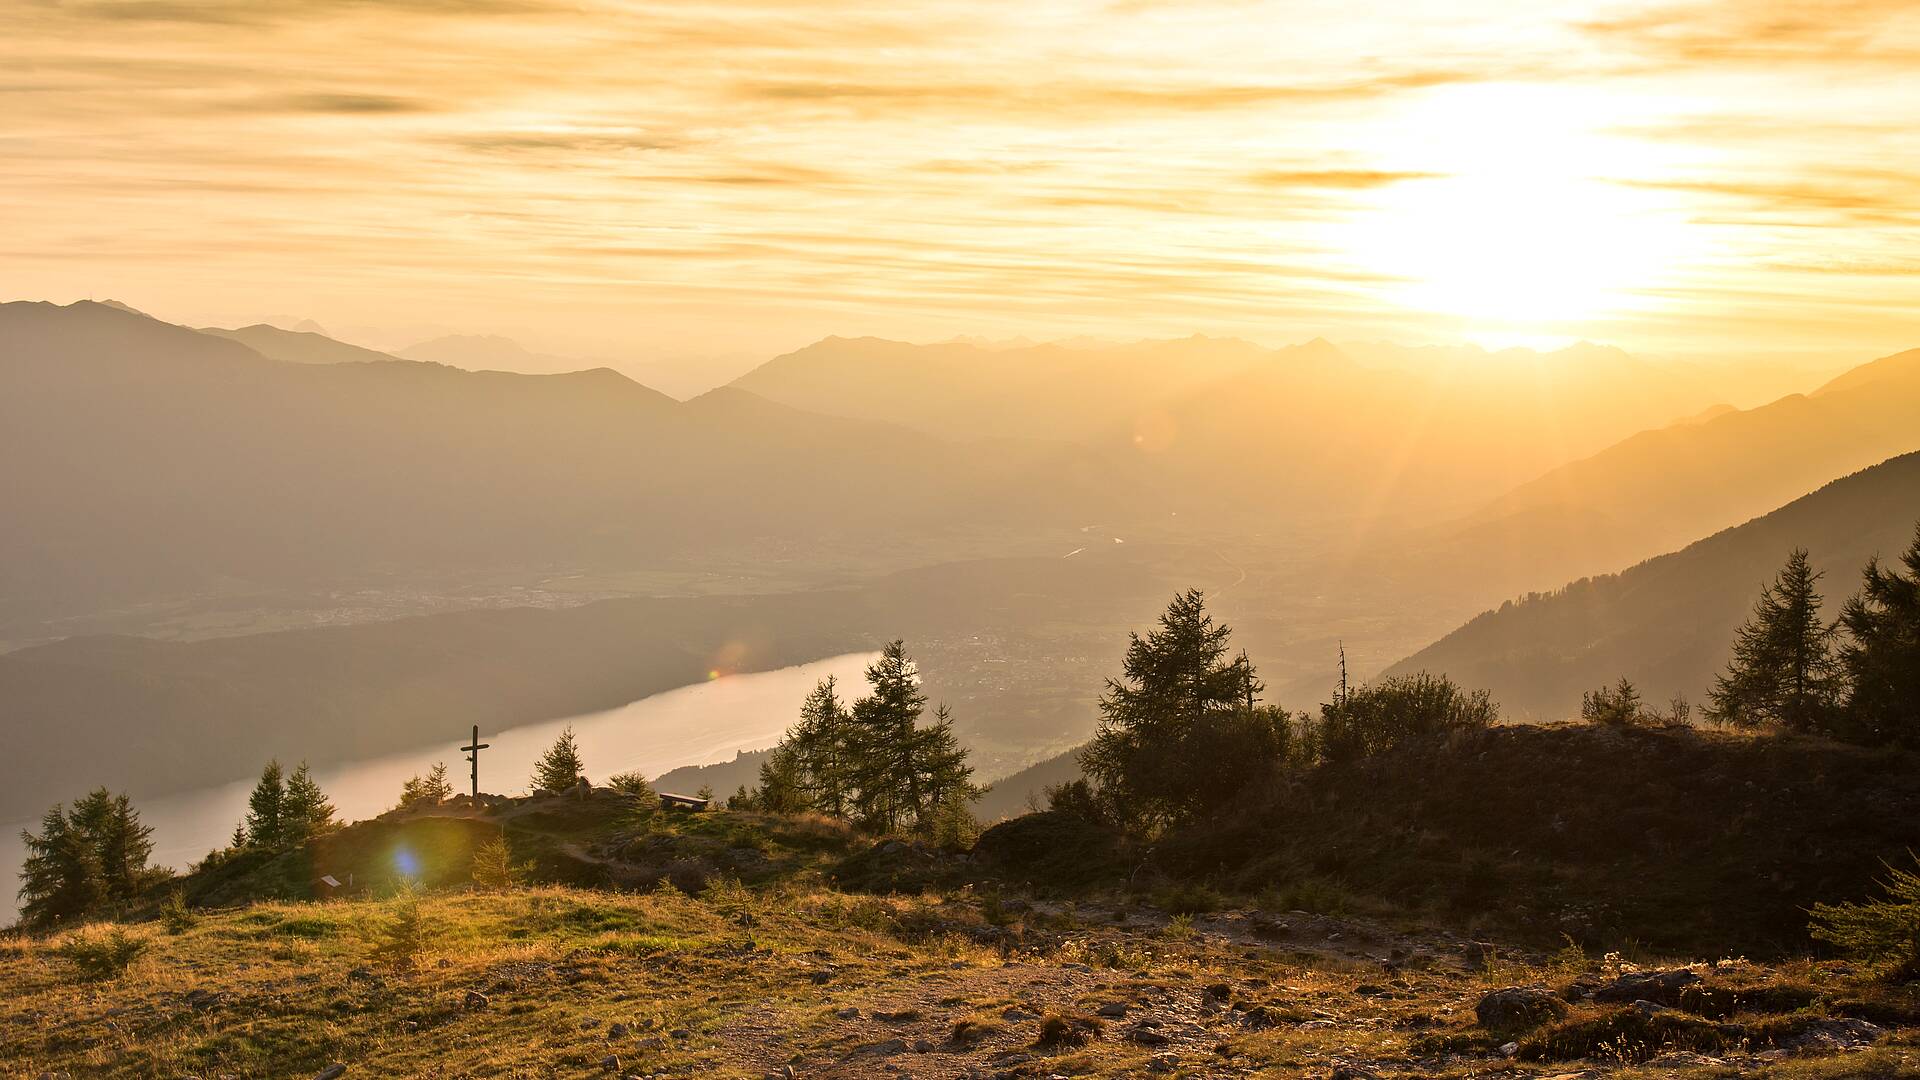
x=1770, y=31
x=351, y=104
x=1091, y=97
x=1346, y=179
x=257, y=12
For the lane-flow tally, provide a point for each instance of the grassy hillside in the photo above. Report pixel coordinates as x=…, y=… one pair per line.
x=686, y=973
x=1667, y=623
x=1671, y=837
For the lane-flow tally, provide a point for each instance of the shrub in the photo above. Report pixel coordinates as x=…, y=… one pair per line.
x=175, y=915
x=1618, y=705
x=951, y=826
x=399, y=941
x=494, y=868
x=1884, y=933
x=632, y=783
x=102, y=954
x=1375, y=719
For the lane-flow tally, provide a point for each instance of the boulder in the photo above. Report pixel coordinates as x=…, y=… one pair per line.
x=1519, y=1008
x=1662, y=987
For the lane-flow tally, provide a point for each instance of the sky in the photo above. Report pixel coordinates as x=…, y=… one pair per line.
x=729, y=177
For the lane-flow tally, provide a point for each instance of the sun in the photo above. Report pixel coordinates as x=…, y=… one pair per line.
x=1526, y=213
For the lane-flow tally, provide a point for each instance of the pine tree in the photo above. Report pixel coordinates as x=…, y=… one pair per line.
x=560, y=768
x=782, y=783
x=266, y=809
x=306, y=812
x=881, y=744
x=940, y=764
x=429, y=790
x=60, y=879
x=121, y=845
x=1175, y=681
x=820, y=747
x=1881, y=657
x=1782, y=671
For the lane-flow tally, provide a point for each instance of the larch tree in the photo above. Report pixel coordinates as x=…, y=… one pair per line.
x=886, y=786
x=560, y=767
x=266, y=808
x=820, y=744
x=1176, y=683
x=60, y=879
x=306, y=812
x=1881, y=656
x=1783, y=670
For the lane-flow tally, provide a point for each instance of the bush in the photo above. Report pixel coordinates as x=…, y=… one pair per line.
x=951, y=826
x=1883, y=933
x=1375, y=719
x=494, y=868
x=632, y=783
x=1618, y=705
x=175, y=915
x=399, y=941
x=102, y=954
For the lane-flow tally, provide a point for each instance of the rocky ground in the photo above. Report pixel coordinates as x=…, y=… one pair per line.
x=807, y=981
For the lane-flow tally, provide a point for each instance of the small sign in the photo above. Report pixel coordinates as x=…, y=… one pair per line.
x=329, y=881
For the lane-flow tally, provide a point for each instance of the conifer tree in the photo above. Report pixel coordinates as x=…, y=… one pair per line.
x=60, y=879
x=93, y=854
x=820, y=744
x=429, y=790
x=121, y=844
x=306, y=812
x=1175, y=681
x=1881, y=656
x=886, y=785
x=560, y=767
x=266, y=808
x=1782, y=671
x=940, y=765
x=782, y=783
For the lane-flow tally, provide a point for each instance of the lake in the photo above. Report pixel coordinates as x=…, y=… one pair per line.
x=694, y=725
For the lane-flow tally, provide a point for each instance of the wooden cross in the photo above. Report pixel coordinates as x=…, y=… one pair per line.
x=473, y=755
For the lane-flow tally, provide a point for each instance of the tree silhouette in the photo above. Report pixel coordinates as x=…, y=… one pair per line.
x=560, y=767
x=1782, y=671
x=1881, y=657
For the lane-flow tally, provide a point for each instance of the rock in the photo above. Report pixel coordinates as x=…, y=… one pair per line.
x=331, y=1072
x=1018, y=1015
x=588, y=1023
x=1518, y=1008
x=1219, y=991
x=1163, y=1063
x=1258, y=1018
x=618, y=1031
x=885, y=1049
x=848, y=1013
x=1112, y=1010
x=611, y=1063
x=1661, y=987
x=1509, y=1049
x=1840, y=1033
x=653, y=1043
x=679, y=1033
x=475, y=1000
x=1146, y=1036
x=922, y=1046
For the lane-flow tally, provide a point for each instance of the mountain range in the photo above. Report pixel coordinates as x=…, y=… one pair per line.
x=1667, y=623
